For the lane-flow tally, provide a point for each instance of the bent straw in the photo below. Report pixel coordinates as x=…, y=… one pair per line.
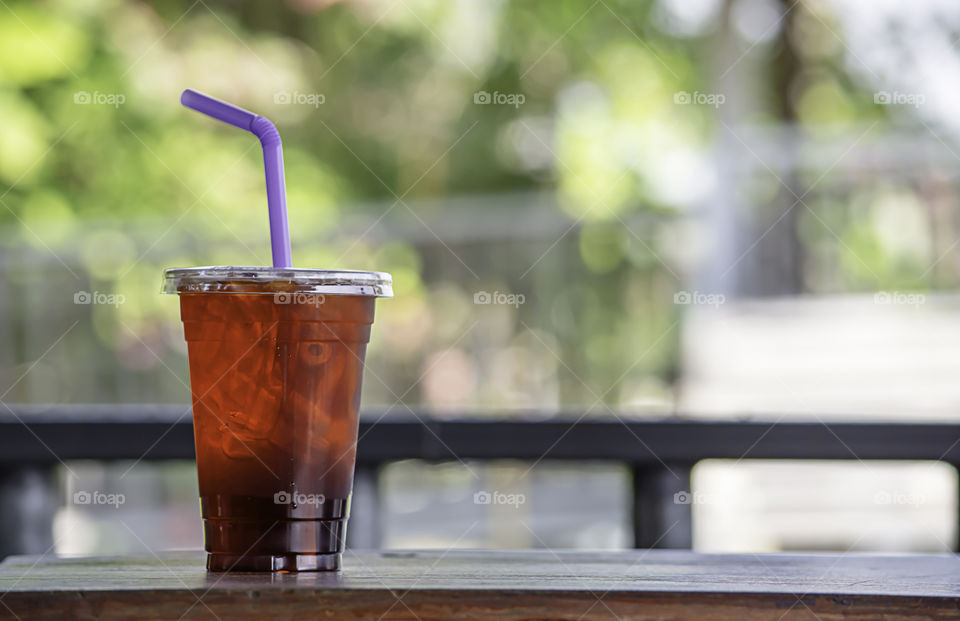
x=269, y=137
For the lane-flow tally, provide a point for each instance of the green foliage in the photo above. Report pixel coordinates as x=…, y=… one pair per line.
x=104, y=175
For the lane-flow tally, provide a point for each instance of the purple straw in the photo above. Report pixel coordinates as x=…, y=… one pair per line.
x=269, y=137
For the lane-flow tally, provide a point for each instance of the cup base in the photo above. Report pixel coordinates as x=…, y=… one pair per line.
x=274, y=562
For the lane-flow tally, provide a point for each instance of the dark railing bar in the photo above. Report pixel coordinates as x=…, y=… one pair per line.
x=158, y=432
x=659, y=451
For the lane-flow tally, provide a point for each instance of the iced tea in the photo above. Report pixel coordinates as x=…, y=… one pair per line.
x=275, y=376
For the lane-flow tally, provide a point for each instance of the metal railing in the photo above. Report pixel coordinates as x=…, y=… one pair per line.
x=659, y=452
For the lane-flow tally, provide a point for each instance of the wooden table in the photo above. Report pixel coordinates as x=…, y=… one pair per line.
x=459, y=584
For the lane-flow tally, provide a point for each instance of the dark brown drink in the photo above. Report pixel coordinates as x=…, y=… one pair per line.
x=276, y=363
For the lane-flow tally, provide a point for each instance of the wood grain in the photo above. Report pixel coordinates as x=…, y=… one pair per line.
x=461, y=584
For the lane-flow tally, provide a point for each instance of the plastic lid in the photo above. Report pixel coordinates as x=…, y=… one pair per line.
x=234, y=279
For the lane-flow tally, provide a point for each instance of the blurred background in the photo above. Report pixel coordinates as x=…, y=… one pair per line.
x=692, y=208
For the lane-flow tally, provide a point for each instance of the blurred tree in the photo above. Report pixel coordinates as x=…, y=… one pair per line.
x=554, y=131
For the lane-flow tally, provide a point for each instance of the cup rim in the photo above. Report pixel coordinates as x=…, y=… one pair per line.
x=272, y=280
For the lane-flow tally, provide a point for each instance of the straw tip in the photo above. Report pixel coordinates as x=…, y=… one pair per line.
x=187, y=95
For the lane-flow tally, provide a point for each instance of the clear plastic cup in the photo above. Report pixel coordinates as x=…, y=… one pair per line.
x=276, y=362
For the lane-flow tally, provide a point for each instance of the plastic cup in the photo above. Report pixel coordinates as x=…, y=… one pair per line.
x=276, y=362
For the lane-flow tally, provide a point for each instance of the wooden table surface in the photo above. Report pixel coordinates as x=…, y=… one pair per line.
x=466, y=584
